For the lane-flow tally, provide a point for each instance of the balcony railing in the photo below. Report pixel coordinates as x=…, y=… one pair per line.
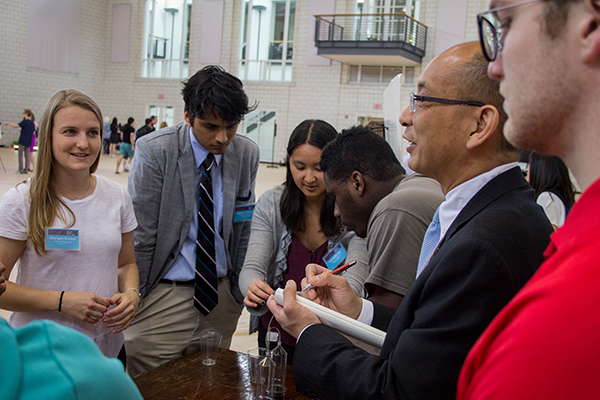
x=371, y=31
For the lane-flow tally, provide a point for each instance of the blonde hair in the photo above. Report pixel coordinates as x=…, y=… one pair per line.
x=44, y=198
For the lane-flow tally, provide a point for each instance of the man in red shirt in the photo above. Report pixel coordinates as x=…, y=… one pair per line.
x=544, y=344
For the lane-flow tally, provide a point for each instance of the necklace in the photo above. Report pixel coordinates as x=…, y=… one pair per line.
x=77, y=198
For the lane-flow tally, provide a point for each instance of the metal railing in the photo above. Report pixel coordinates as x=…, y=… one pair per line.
x=370, y=28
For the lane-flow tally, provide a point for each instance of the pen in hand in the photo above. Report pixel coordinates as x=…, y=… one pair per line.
x=336, y=271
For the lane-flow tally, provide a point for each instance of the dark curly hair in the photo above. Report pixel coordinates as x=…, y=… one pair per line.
x=213, y=91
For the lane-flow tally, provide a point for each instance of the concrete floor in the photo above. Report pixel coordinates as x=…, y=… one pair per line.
x=267, y=178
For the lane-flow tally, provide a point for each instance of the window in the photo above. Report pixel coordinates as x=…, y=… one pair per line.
x=267, y=40
x=162, y=114
x=261, y=127
x=388, y=24
x=408, y=7
x=380, y=74
x=166, y=39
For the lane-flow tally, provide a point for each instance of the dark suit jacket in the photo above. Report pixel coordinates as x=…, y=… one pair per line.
x=162, y=186
x=493, y=247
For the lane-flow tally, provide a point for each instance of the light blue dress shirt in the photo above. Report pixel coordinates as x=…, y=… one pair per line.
x=456, y=200
x=184, y=267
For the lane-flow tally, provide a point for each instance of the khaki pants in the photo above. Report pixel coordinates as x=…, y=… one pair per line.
x=167, y=325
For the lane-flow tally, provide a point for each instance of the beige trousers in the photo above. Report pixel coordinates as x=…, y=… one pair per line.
x=167, y=325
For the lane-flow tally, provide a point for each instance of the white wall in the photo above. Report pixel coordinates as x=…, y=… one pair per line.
x=22, y=87
x=315, y=91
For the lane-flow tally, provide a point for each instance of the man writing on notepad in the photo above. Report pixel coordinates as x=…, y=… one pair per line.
x=485, y=242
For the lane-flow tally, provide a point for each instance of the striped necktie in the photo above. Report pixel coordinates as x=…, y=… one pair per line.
x=205, y=292
x=430, y=242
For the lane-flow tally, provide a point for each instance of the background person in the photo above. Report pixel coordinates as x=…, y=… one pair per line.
x=294, y=225
x=144, y=130
x=115, y=136
x=27, y=127
x=554, y=191
x=106, y=136
x=127, y=145
x=65, y=202
x=31, y=166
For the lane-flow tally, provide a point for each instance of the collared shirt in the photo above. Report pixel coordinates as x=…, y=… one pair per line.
x=456, y=200
x=184, y=267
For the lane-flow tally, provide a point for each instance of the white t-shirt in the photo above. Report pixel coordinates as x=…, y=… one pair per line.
x=101, y=218
x=553, y=207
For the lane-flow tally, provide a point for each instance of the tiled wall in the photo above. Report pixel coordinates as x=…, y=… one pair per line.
x=315, y=91
x=22, y=87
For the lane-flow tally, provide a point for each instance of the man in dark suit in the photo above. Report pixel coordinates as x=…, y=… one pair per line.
x=491, y=239
x=167, y=189
x=144, y=130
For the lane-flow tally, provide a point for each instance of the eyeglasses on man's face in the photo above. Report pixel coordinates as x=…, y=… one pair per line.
x=491, y=30
x=414, y=98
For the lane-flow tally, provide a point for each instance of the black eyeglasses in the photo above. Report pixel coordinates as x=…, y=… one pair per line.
x=414, y=98
x=490, y=30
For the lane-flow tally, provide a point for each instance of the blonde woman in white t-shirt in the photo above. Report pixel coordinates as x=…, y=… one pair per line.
x=71, y=231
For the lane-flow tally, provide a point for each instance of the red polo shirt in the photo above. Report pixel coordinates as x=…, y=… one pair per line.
x=545, y=344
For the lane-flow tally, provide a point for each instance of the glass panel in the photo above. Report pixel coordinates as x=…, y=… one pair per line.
x=288, y=71
x=249, y=126
x=292, y=22
x=264, y=46
x=389, y=73
x=147, y=39
x=169, y=115
x=291, y=27
x=244, y=44
x=167, y=26
x=166, y=114
x=353, y=78
x=186, y=69
x=370, y=74
x=276, y=45
x=409, y=75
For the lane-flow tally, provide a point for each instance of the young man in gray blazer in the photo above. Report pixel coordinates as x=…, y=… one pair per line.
x=165, y=185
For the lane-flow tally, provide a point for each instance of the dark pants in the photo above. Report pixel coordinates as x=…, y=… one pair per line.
x=23, y=154
x=106, y=145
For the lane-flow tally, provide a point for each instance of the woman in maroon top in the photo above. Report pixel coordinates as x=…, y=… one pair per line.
x=293, y=225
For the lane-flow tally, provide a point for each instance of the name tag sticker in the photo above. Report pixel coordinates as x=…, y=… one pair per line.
x=335, y=256
x=243, y=213
x=62, y=239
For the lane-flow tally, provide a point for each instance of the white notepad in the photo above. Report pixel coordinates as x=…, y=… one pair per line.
x=339, y=322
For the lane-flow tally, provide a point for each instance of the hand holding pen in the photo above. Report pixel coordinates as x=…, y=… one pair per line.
x=336, y=271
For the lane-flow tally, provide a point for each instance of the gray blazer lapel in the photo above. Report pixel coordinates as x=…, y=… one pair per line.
x=186, y=167
x=231, y=166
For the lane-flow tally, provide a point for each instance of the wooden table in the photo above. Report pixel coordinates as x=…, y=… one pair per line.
x=187, y=378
